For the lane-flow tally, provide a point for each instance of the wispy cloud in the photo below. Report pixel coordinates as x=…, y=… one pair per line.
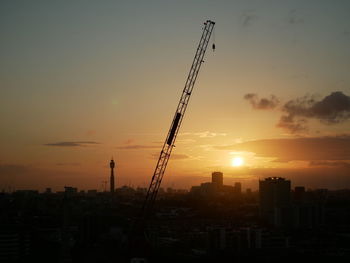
x=248, y=18
x=305, y=149
x=91, y=133
x=174, y=156
x=129, y=141
x=205, y=134
x=68, y=164
x=72, y=144
x=262, y=103
x=330, y=164
x=12, y=169
x=294, y=17
x=138, y=147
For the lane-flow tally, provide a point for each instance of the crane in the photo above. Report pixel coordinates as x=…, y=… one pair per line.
x=169, y=143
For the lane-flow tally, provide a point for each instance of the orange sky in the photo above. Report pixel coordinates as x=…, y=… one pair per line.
x=80, y=84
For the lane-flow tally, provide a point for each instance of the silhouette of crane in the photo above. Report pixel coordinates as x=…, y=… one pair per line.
x=176, y=123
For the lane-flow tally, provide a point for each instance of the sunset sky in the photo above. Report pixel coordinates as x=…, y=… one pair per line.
x=82, y=81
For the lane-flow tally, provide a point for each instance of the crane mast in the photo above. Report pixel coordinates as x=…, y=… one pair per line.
x=176, y=123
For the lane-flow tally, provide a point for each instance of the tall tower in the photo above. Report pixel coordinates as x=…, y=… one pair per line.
x=111, y=180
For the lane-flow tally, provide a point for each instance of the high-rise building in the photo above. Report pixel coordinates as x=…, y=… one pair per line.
x=217, y=178
x=275, y=201
x=111, y=179
x=299, y=193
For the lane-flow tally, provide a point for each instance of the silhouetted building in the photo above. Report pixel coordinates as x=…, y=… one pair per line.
x=216, y=188
x=126, y=191
x=111, y=180
x=299, y=193
x=27, y=192
x=170, y=190
x=15, y=243
x=275, y=201
x=308, y=208
x=92, y=192
x=70, y=190
x=238, y=188
x=217, y=178
x=308, y=215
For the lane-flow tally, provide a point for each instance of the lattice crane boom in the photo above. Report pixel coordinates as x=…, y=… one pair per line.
x=176, y=123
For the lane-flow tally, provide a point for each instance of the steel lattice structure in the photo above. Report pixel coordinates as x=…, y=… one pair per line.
x=176, y=123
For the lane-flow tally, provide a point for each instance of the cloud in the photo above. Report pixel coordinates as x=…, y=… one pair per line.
x=68, y=164
x=305, y=149
x=294, y=18
x=248, y=18
x=185, y=141
x=208, y=134
x=71, y=144
x=12, y=169
x=174, y=156
x=205, y=134
x=138, y=147
x=330, y=164
x=90, y=132
x=332, y=109
x=289, y=123
x=263, y=103
x=129, y=141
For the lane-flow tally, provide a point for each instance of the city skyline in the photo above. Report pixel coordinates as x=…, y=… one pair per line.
x=81, y=83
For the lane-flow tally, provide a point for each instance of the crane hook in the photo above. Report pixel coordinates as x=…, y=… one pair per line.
x=213, y=47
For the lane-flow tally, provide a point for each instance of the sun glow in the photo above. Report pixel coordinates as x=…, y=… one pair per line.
x=237, y=161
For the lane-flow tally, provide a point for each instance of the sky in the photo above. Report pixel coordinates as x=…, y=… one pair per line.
x=84, y=81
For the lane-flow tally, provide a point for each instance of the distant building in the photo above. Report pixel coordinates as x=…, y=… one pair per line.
x=221, y=238
x=308, y=208
x=308, y=215
x=238, y=188
x=15, y=243
x=27, y=192
x=161, y=191
x=92, y=192
x=170, y=190
x=181, y=191
x=141, y=190
x=208, y=189
x=70, y=190
x=217, y=178
x=126, y=190
x=275, y=201
x=215, y=188
x=299, y=193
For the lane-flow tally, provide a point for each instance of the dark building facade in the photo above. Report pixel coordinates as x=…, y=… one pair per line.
x=217, y=178
x=275, y=200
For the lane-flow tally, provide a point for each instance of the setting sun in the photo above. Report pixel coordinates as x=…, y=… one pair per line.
x=237, y=161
